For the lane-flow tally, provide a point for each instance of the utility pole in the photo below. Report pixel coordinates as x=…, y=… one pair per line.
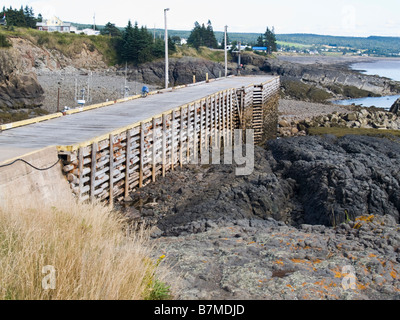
x=166, y=50
x=239, y=60
x=88, y=86
x=226, y=52
x=76, y=89
x=58, y=100
x=126, y=79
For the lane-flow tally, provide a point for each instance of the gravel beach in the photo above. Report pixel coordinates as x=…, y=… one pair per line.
x=301, y=110
x=95, y=88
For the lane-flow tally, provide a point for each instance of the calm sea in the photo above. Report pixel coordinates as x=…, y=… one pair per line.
x=384, y=68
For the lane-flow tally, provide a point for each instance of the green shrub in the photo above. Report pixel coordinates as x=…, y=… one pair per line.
x=43, y=38
x=300, y=91
x=354, y=92
x=341, y=132
x=4, y=43
x=318, y=95
x=334, y=88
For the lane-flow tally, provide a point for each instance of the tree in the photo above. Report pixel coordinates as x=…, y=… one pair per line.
x=24, y=17
x=261, y=41
x=209, y=37
x=176, y=39
x=126, y=46
x=203, y=36
x=270, y=40
x=137, y=45
x=223, y=44
x=195, y=38
x=30, y=20
x=111, y=30
x=171, y=45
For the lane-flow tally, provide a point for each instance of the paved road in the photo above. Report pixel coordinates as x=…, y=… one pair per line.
x=87, y=125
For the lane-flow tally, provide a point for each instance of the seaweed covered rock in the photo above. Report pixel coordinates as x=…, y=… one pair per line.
x=337, y=179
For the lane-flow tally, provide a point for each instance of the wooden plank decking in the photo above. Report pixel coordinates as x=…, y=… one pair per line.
x=80, y=127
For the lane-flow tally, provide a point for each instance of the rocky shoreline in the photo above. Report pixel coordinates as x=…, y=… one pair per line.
x=316, y=213
x=331, y=116
x=317, y=220
x=98, y=87
x=267, y=260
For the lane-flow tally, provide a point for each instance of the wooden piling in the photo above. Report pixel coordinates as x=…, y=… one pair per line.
x=93, y=172
x=116, y=164
x=111, y=183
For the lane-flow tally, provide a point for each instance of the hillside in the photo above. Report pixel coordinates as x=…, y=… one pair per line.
x=373, y=45
x=30, y=54
x=70, y=45
x=39, y=64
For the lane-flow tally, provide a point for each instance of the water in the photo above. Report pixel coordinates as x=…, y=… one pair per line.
x=380, y=102
x=384, y=68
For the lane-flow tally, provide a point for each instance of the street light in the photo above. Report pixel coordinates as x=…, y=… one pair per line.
x=166, y=50
x=226, y=53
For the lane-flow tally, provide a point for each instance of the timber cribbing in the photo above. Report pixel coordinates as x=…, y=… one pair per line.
x=110, y=166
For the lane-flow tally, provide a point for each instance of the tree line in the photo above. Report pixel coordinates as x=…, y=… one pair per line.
x=268, y=39
x=23, y=17
x=202, y=36
x=136, y=45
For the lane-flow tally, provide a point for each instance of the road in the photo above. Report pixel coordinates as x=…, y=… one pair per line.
x=80, y=127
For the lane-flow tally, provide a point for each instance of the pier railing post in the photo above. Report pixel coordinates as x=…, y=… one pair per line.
x=111, y=193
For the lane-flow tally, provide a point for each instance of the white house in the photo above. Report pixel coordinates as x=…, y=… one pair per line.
x=54, y=24
x=89, y=32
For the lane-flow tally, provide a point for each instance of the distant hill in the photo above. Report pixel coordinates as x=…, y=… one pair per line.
x=373, y=45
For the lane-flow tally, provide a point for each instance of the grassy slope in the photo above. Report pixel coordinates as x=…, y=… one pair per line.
x=341, y=132
x=68, y=44
x=203, y=52
x=88, y=247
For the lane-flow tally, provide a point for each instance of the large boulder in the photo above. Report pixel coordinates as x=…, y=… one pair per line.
x=396, y=107
x=181, y=71
x=19, y=87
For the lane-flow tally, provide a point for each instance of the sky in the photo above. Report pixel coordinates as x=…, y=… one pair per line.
x=361, y=18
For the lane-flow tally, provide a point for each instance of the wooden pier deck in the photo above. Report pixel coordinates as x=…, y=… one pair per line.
x=83, y=126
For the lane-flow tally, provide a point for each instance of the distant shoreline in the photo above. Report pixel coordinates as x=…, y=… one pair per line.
x=332, y=60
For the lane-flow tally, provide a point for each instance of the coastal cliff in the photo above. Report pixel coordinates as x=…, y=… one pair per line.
x=19, y=87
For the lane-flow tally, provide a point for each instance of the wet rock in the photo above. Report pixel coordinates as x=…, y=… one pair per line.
x=353, y=174
x=396, y=107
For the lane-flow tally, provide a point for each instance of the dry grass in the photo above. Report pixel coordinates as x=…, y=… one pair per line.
x=203, y=52
x=69, y=44
x=341, y=132
x=93, y=258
